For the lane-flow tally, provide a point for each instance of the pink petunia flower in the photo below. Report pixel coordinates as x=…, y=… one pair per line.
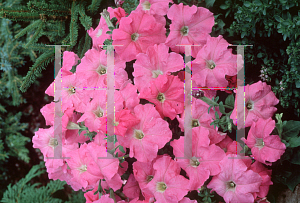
x=123, y=121
x=166, y=92
x=70, y=59
x=200, y=117
x=93, y=69
x=190, y=26
x=157, y=61
x=45, y=140
x=73, y=94
x=144, y=173
x=154, y=6
x=84, y=170
x=129, y=95
x=264, y=147
x=259, y=168
x=204, y=159
x=157, y=8
x=117, y=13
x=259, y=103
x=131, y=189
x=235, y=183
x=167, y=184
x=151, y=134
x=229, y=146
x=95, y=112
x=213, y=62
x=99, y=35
x=136, y=33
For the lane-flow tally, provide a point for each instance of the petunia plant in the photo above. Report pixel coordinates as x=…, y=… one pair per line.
x=148, y=161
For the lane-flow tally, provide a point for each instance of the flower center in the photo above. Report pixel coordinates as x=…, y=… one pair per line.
x=195, y=123
x=98, y=112
x=53, y=142
x=72, y=90
x=134, y=36
x=260, y=143
x=156, y=73
x=249, y=105
x=161, y=186
x=149, y=178
x=82, y=168
x=139, y=134
x=161, y=97
x=210, y=64
x=194, y=162
x=99, y=33
x=231, y=185
x=197, y=94
x=146, y=5
x=101, y=70
x=116, y=123
x=184, y=30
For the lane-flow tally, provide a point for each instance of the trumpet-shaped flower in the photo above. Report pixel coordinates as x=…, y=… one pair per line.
x=136, y=33
x=259, y=103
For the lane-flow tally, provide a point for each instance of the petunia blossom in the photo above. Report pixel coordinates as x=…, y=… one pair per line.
x=157, y=61
x=266, y=178
x=235, y=183
x=167, y=184
x=190, y=26
x=259, y=103
x=136, y=33
x=204, y=160
x=213, y=62
x=151, y=134
x=93, y=69
x=264, y=147
x=166, y=92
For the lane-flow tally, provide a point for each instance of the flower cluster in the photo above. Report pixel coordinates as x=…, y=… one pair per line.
x=87, y=162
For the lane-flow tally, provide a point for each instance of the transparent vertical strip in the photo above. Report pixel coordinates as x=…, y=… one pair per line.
x=240, y=96
x=110, y=103
x=57, y=98
x=188, y=135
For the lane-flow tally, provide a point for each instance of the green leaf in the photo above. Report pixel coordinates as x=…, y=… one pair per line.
x=222, y=108
x=295, y=157
x=230, y=100
x=298, y=84
x=277, y=18
x=224, y=7
x=121, y=148
x=294, y=142
x=247, y=4
x=290, y=129
x=209, y=3
x=293, y=181
x=259, y=55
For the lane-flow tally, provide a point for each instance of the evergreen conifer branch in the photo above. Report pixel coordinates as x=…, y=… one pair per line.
x=37, y=33
x=30, y=27
x=48, y=9
x=23, y=192
x=18, y=13
x=94, y=6
x=85, y=20
x=36, y=69
x=40, y=47
x=86, y=46
x=73, y=24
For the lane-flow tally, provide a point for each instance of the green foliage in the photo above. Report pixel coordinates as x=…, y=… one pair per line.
x=25, y=192
x=287, y=168
x=204, y=192
x=130, y=5
x=51, y=22
x=272, y=27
